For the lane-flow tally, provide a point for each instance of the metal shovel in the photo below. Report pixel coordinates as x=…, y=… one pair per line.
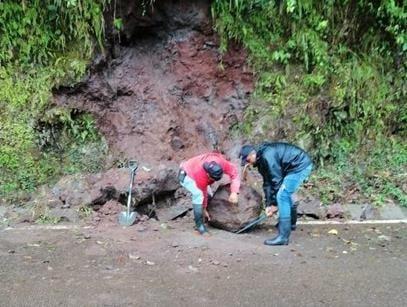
x=127, y=218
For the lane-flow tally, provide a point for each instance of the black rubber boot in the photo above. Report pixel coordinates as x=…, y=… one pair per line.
x=284, y=231
x=198, y=218
x=294, y=217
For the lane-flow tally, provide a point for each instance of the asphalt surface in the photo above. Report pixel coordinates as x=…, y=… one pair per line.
x=170, y=265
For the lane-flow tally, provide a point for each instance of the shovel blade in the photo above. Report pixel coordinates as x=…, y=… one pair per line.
x=126, y=219
x=257, y=221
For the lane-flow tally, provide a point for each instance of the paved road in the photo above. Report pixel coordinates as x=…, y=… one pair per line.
x=364, y=265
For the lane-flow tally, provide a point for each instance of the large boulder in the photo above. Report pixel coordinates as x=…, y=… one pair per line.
x=231, y=217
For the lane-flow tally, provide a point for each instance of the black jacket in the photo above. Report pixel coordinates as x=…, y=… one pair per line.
x=274, y=161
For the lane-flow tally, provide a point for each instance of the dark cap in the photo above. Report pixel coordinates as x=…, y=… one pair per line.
x=214, y=170
x=244, y=152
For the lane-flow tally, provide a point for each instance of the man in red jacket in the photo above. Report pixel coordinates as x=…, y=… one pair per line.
x=198, y=173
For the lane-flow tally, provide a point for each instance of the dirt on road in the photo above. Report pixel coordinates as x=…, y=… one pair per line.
x=153, y=264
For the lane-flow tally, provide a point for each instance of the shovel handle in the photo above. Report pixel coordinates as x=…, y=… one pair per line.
x=260, y=219
x=133, y=167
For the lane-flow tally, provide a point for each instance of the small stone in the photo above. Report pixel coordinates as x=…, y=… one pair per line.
x=50, y=268
x=335, y=211
x=174, y=244
x=33, y=245
x=344, y=252
x=192, y=268
x=86, y=236
x=384, y=238
x=140, y=228
x=143, y=218
x=225, y=265
x=333, y=232
x=134, y=257
x=11, y=251
x=238, y=260
x=150, y=263
x=215, y=262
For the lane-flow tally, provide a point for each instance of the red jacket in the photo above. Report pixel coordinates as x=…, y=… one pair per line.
x=194, y=169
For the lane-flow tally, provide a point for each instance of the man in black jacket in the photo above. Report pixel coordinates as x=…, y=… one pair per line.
x=283, y=168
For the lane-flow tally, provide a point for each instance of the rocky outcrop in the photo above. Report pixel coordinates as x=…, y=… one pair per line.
x=164, y=92
x=160, y=93
x=95, y=190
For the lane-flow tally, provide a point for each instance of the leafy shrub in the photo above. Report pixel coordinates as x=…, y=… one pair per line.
x=43, y=44
x=331, y=78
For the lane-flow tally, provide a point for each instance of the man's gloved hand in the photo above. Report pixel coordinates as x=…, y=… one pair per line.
x=271, y=210
x=233, y=198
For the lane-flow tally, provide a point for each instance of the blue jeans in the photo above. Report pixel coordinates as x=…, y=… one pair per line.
x=290, y=185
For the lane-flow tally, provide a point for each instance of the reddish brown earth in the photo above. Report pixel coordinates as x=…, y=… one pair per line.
x=167, y=95
x=160, y=94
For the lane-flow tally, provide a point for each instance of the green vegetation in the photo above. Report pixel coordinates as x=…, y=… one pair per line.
x=331, y=78
x=44, y=44
x=47, y=219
